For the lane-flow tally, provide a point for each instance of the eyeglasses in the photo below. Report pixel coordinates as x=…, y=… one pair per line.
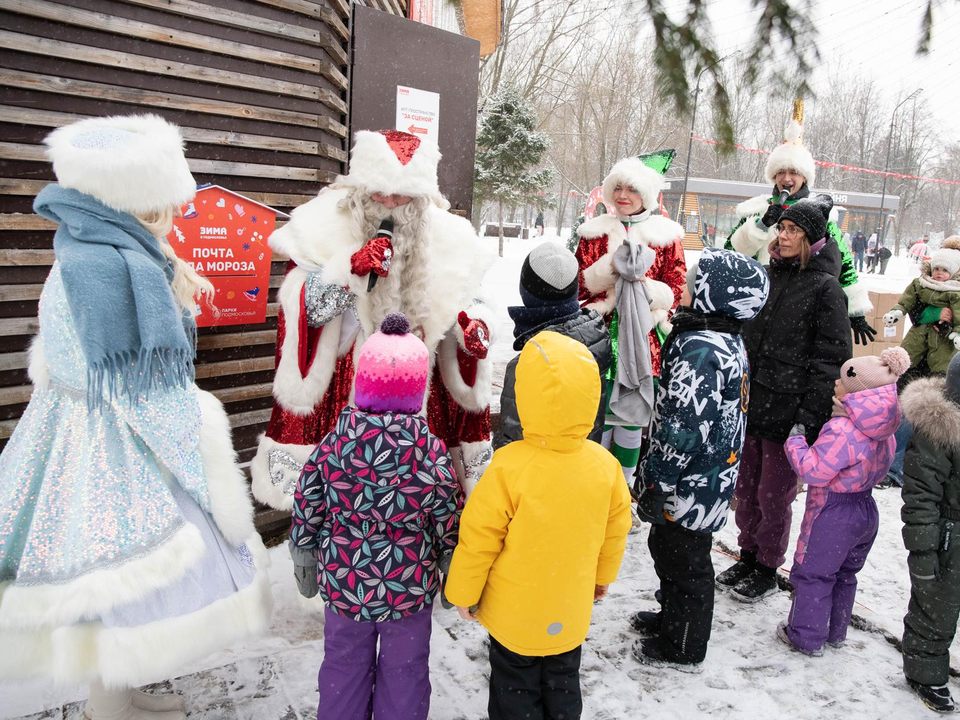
x=789, y=230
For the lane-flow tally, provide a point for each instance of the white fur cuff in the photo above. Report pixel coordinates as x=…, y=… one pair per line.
x=858, y=299
x=275, y=470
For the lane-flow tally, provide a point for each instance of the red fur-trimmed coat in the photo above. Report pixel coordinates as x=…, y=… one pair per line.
x=315, y=365
x=599, y=239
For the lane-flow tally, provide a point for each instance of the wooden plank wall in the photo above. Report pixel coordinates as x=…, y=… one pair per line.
x=260, y=90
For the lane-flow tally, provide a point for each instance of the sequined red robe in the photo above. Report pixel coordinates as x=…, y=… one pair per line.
x=599, y=237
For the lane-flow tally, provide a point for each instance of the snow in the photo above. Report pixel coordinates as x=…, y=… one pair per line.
x=747, y=673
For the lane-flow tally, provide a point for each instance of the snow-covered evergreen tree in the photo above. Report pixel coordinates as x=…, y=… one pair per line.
x=509, y=151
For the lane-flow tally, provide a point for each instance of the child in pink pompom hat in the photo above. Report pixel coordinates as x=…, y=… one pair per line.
x=852, y=454
x=376, y=510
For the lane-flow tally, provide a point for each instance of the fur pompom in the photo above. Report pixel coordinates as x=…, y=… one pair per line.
x=951, y=243
x=897, y=359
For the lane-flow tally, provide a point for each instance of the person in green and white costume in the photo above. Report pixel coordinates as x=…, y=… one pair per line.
x=791, y=168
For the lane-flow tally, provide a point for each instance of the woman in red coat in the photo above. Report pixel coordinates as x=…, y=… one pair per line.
x=631, y=192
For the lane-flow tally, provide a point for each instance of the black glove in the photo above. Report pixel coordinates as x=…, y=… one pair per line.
x=863, y=334
x=650, y=507
x=305, y=570
x=772, y=216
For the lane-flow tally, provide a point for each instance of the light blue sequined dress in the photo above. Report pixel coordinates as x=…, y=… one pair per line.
x=105, y=526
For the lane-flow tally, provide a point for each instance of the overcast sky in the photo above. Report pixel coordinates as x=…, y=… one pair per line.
x=877, y=38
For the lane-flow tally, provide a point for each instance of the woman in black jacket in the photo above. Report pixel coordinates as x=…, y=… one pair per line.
x=796, y=347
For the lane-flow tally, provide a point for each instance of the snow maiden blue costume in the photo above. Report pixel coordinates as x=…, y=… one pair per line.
x=127, y=546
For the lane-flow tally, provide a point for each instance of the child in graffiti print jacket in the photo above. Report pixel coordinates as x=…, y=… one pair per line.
x=380, y=500
x=690, y=470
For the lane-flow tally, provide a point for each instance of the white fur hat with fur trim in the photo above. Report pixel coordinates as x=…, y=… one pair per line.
x=633, y=172
x=392, y=162
x=792, y=155
x=132, y=163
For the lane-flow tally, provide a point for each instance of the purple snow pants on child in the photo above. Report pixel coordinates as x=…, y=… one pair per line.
x=356, y=681
x=766, y=487
x=825, y=582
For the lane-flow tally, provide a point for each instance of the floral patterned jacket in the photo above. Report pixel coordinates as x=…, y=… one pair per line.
x=380, y=499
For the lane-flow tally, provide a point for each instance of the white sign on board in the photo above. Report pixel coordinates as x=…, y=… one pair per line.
x=418, y=112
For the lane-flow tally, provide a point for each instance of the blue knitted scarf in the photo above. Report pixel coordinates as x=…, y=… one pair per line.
x=117, y=282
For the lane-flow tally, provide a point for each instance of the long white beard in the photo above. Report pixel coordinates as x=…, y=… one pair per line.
x=403, y=289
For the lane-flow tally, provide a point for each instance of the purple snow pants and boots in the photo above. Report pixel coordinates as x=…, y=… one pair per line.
x=765, y=490
x=356, y=682
x=824, y=576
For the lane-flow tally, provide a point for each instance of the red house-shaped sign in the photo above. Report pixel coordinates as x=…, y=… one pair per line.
x=223, y=235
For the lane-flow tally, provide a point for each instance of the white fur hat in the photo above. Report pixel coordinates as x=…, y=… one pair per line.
x=792, y=155
x=633, y=172
x=947, y=257
x=392, y=162
x=132, y=163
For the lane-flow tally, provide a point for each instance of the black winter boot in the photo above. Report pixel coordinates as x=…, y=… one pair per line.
x=757, y=585
x=649, y=652
x=935, y=697
x=646, y=623
x=738, y=571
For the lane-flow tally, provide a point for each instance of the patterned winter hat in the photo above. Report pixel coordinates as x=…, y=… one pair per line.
x=811, y=214
x=392, y=369
x=549, y=276
x=948, y=256
x=864, y=373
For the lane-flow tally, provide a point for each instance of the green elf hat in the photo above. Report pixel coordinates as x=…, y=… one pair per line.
x=659, y=161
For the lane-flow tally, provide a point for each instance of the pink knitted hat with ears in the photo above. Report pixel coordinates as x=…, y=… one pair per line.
x=864, y=373
x=392, y=369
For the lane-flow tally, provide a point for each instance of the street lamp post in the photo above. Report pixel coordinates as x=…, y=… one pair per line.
x=693, y=121
x=886, y=164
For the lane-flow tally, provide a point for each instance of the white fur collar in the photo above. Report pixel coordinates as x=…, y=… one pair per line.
x=654, y=230
x=754, y=206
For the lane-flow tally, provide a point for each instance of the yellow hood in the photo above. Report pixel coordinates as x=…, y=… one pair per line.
x=558, y=391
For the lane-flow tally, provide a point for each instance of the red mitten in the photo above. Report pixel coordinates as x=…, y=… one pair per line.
x=476, y=335
x=374, y=257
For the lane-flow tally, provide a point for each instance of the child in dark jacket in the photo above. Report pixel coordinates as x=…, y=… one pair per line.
x=852, y=454
x=931, y=518
x=690, y=470
x=548, y=289
x=380, y=502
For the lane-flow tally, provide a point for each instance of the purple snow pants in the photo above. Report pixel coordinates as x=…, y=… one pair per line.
x=766, y=488
x=357, y=683
x=825, y=582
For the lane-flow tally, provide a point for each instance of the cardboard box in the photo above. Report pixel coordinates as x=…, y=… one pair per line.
x=883, y=303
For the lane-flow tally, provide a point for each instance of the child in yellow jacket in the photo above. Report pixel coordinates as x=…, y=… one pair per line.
x=542, y=536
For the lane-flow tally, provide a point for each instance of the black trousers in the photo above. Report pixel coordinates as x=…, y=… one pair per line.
x=525, y=687
x=683, y=564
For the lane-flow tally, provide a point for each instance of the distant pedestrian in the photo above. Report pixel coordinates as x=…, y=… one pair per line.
x=538, y=224
x=883, y=257
x=859, y=249
x=872, y=253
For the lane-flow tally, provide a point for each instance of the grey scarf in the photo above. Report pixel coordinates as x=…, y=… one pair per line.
x=631, y=399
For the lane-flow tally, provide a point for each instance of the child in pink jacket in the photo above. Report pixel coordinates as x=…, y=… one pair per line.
x=852, y=454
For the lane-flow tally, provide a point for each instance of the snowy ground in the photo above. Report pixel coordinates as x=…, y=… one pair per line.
x=748, y=672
